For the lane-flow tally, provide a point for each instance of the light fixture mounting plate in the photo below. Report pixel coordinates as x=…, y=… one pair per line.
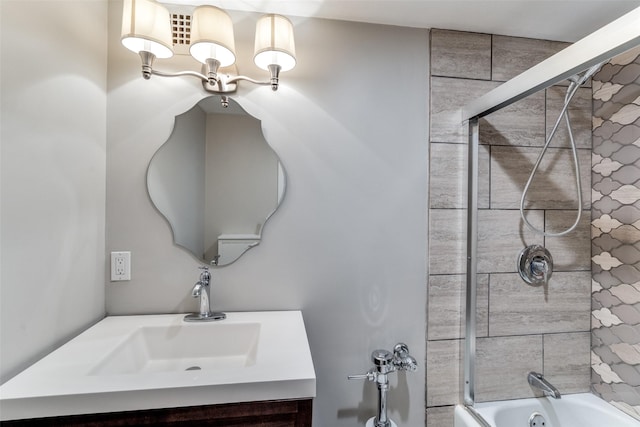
x=222, y=86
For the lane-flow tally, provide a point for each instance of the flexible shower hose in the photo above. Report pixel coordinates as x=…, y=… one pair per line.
x=576, y=82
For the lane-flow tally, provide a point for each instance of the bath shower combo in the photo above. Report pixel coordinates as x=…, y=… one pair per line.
x=588, y=54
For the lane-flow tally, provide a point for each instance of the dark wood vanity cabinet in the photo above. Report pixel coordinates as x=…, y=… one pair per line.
x=276, y=413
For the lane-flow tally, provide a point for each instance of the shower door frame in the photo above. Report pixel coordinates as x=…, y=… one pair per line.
x=605, y=43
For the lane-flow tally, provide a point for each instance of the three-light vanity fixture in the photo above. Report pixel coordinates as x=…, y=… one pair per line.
x=147, y=31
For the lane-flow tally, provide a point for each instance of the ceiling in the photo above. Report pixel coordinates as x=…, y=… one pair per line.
x=565, y=20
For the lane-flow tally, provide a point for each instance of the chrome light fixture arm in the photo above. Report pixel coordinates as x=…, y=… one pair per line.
x=211, y=81
x=227, y=83
x=274, y=70
x=209, y=74
x=179, y=74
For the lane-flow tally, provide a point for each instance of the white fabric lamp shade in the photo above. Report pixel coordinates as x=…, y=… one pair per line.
x=212, y=35
x=274, y=43
x=146, y=26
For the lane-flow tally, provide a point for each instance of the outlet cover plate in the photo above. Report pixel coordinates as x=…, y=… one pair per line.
x=120, y=266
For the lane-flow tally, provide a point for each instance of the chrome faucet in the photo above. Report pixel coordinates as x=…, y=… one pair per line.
x=538, y=381
x=202, y=290
x=535, y=265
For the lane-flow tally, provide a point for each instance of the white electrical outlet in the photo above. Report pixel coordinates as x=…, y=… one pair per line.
x=120, y=266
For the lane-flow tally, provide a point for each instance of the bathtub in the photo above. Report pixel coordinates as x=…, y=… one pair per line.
x=575, y=410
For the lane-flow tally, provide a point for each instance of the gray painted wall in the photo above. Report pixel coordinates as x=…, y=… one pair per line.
x=348, y=244
x=53, y=131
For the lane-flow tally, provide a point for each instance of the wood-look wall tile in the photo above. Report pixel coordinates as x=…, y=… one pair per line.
x=446, y=311
x=501, y=236
x=567, y=361
x=553, y=186
x=572, y=251
x=448, y=96
x=484, y=169
x=443, y=372
x=579, y=114
x=447, y=241
x=517, y=308
x=514, y=55
x=460, y=54
x=502, y=365
x=448, y=176
x=521, y=123
x=440, y=416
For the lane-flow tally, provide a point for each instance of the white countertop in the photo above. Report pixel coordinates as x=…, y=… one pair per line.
x=65, y=382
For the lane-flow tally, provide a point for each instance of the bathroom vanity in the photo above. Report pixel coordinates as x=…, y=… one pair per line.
x=249, y=369
x=275, y=413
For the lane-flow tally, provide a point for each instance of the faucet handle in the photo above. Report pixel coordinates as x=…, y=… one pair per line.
x=205, y=276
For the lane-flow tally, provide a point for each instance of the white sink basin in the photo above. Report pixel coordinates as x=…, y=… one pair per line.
x=188, y=346
x=158, y=361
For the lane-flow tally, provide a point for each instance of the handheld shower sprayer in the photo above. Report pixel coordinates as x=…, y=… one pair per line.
x=575, y=82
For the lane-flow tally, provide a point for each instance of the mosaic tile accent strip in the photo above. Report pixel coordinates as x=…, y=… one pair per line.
x=615, y=226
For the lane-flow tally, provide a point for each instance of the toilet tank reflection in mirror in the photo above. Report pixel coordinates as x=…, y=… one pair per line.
x=216, y=180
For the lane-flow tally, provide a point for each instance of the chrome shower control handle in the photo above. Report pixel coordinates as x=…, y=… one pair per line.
x=535, y=265
x=540, y=268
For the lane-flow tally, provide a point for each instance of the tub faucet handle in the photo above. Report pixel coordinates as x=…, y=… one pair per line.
x=535, y=265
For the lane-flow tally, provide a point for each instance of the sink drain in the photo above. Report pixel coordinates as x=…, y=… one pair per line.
x=537, y=420
x=198, y=368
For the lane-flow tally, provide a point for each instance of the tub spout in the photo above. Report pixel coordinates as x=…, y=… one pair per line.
x=538, y=381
